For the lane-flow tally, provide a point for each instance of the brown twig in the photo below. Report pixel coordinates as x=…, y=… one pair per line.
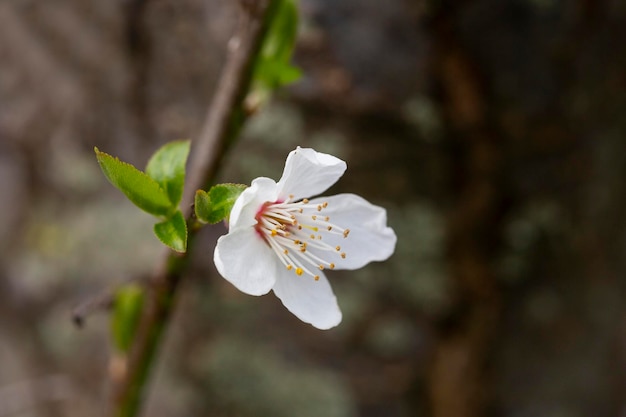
x=222, y=122
x=100, y=302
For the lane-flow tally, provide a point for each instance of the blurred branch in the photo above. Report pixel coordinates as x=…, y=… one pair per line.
x=458, y=375
x=100, y=302
x=223, y=120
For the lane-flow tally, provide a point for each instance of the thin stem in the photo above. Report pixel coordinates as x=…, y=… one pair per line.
x=222, y=123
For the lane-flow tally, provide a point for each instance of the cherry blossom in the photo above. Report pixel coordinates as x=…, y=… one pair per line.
x=282, y=239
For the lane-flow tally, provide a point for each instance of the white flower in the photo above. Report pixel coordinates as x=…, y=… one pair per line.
x=279, y=240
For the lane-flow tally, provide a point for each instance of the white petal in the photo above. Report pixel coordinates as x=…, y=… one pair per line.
x=248, y=204
x=369, y=239
x=244, y=259
x=308, y=173
x=311, y=301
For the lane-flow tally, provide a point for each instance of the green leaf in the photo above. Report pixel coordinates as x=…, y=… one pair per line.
x=173, y=232
x=142, y=190
x=202, y=206
x=126, y=313
x=274, y=74
x=167, y=168
x=282, y=33
x=215, y=206
x=272, y=68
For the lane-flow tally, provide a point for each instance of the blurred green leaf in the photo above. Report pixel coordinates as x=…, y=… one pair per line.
x=282, y=33
x=173, y=232
x=142, y=190
x=167, y=168
x=278, y=73
x=126, y=313
x=273, y=69
x=215, y=206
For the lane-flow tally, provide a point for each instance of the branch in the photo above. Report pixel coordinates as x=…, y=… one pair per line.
x=223, y=120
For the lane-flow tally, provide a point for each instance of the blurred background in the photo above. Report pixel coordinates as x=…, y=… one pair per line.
x=491, y=130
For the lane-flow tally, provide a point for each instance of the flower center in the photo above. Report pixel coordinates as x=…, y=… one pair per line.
x=292, y=229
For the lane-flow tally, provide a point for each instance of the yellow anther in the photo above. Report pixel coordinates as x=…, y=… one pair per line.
x=289, y=267
x=321, y=267
x=297, y=242
x=314, y=217
x=343, y=255
x=299, y=227
x=305, y=200
x=286, y=252
x=316, y=277
x=290, y=196
x=312, y=236
x=346, y=232
x=329, y=228
x=319, y=208
x=299, y=271
x=331, y=266
x=300, y=210
x=337, y=248
x=325, y=204
x=327, y=218
x=274, y=232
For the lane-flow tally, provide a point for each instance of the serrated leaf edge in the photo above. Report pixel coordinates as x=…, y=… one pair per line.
x=100, y=154
x=164, y=242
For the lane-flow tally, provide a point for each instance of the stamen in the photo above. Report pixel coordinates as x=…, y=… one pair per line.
x=285, y=224
x=328, y=225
